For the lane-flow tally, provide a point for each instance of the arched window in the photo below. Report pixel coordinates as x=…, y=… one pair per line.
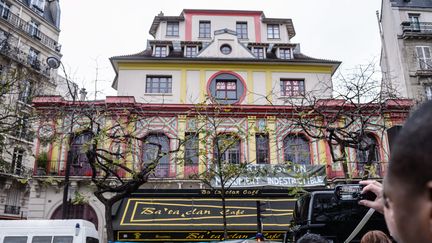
x=227, y=148
x=79, y=161
x=80, y=211
x=155, y=145
x=296, y=149
x=368, y=151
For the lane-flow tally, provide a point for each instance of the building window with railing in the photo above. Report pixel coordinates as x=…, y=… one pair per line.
x=155, y=149
x=79, y=162
x=191, y=51
x=34, y=29
x=22, y=130
x=160, y=51
x=38, y=6
x=262, y=148
x=242, y=30
x=258, y=52
x=367, y=152
x=25, y=90
x=13, y=200
x=4, y=9
x=17, y=159
x=172, y=29
x=158, y=84
x=204, y=29
x=284, y=53
x=296, y=149
x=227, y=149
x=33, y=57
x=292, y=87
x=424, y=57
x=414, y=21
x=273, y=31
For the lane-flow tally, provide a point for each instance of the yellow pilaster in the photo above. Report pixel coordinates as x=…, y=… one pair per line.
x=252, y=139
x=129, y=156
x=202, y=146
x=183, y=86
x=180, y=153
x=250, y=87
x=271, y=125
x=203, y=89
x=56, y=147
x=269, y=86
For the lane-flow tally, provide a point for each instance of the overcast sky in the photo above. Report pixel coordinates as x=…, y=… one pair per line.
x=94, y=30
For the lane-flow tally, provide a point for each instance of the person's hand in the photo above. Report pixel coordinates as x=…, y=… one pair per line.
x=376, y=188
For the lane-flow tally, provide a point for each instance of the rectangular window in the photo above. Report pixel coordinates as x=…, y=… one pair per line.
x=424, y=57
x=292, y=87
x=4, y=9
x=226, y=89
x=41, y=239
x=414, y=21
x=159, y=85
x=22, y=128
x=172, y=29
x=284, y=53
x=34, y=29
x=273, y=31
x=25, y=92
x=63, y=239
x=33, y=57
x=428, y=92
x=160, y=51
x=17, y=158
x=204, y=29
x=191, y=51
x=262, y=148
x=258, y=52
x=191, y=149
x=242, y=30
x=38, y=5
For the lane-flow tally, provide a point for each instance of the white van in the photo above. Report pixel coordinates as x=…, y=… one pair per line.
x=48, y=231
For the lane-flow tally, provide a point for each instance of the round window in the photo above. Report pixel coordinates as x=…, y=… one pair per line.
x=225, y=49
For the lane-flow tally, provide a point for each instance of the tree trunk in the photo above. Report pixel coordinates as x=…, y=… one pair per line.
x=224, y=215
x=108, y=221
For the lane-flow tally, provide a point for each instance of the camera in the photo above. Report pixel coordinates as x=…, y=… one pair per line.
x=352, y=192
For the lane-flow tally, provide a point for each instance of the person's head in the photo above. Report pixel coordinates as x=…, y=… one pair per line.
x=375, y=236
x=408, y=182
x=312, y=238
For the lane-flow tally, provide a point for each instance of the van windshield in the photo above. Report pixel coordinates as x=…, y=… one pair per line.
x=91, y=240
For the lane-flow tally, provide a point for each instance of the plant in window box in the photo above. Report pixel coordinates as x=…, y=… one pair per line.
x=42, y=162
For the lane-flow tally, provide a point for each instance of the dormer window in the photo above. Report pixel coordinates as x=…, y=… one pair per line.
x=191, y=51
x=172, y=29
x=258, y=52
x=273, y=31
x=204, y=29
x=284, y=53
x=160, y=51
x=242, y=30
x=38, y=5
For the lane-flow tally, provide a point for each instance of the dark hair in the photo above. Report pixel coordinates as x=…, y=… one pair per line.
x=312, y=238
x=411, y=156
x=375, y=236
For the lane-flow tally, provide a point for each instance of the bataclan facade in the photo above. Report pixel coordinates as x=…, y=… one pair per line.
x=208, y=77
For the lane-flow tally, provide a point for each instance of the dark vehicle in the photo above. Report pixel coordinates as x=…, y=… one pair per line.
x=322, y=213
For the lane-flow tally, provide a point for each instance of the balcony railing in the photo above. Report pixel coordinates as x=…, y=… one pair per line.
x=416, y=29
x=19, y=171
x=21, y=24
x=7, y=48
x=10, y=209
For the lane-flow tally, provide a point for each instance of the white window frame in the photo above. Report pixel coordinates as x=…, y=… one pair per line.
x=38, y=5
x=34, y=28
x=5, y=9
x=424, y=61
x=170, y=32
x=194, y=53
x=24, y=93
x=17, y=159
x=273, y=35
x=152, y=80
x=243, y=34
x=414, y=19
x=160, y=53
x=256, y=53
x=428, y=92
x=286, y=57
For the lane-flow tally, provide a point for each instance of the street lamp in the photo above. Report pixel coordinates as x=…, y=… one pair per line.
x=54, y=63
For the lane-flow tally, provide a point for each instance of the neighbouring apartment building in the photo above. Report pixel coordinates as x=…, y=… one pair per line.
x=406, y=34
x=29, y=32
x=237, y=69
